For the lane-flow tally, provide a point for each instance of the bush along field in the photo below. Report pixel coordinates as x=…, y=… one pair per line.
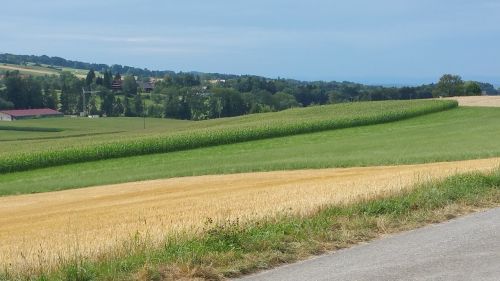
x=232, y=248
x=285, y=123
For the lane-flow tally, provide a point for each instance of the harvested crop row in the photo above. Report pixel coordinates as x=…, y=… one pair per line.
x=291, y=122
x=44, y=230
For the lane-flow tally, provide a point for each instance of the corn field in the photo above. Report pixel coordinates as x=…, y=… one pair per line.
x=255, y=127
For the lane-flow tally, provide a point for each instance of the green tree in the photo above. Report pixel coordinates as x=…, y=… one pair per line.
x=172, y=105
x=129, y=86
x=90, y=77
x=155, y=110
x=107, y=79
x=232, y=102
x=472, y=88
x=5, y=104
x=107, y=104
x=127, y=110
x=23, y=92
x=138, y=106
x=339, y=97
x=14, y=89
x=33, y=92
x=71, y=92
x=50, y=98
x=118, y=107
x=449, y=85
x=283, y=100
x=93, y=106
x=215, y=106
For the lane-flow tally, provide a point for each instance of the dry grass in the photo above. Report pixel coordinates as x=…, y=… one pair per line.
x=40, y=70
x=41, y=230
x=29, y=69
x=487, y=101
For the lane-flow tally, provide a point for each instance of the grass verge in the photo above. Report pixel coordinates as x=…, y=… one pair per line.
x=230, y=248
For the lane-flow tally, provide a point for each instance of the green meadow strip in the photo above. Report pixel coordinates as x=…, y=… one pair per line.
x=361, y=114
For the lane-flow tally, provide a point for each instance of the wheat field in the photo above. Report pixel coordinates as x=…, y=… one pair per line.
x=43, y=230
x=487, y=101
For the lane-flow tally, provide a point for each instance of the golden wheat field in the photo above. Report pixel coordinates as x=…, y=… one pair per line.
x=487, y=101
x=41, y=230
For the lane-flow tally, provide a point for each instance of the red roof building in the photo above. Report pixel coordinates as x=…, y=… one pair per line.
x=116, y=85
x=9, y=115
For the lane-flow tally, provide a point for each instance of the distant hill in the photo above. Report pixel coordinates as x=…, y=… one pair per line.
x=115, y=68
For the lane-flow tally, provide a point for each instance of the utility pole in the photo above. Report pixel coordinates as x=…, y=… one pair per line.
x=84, y=103
x=144, y=112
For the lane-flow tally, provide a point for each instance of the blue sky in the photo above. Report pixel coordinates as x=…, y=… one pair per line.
x=384, y=41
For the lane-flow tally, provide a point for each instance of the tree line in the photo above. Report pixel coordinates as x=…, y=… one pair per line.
x=195, y=97
x=58, y=62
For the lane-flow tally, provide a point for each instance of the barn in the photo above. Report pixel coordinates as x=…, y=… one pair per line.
x=17, y=114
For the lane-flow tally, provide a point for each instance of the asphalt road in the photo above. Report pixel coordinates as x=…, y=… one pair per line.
x=467, y=248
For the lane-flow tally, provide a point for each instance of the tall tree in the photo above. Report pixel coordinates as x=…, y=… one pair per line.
x=232, y=102
x=107, y=79
x=138, y=106
x=129, y=86
x=93, y=106
x=50, y=98
x=118, y=107
x=107, y=104
x=90, y=77
x=283, y=100
x=449, y=85
x=172, y=105
x=5, y=104
x=71, y=92
x=472, y=88
x=23, y=92
x=33, y=92
x=99, y=80
x=127, y=110
x=14, y=89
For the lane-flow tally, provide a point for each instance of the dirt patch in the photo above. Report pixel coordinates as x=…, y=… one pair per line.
x=41, y=230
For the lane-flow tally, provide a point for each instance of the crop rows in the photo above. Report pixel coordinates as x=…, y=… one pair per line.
x=314, y=119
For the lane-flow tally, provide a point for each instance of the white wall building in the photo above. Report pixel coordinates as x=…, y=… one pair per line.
x=5, y=117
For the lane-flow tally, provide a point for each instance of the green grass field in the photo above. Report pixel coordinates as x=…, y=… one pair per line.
x=84, y=131
x=457, y=134
x=30, y=154
x=80, y=131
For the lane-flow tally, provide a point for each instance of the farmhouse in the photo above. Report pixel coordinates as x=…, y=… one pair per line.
x=146, y=87
x=116, y=85
x=10, y=115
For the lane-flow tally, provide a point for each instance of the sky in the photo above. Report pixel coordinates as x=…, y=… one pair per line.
x=374, y=42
